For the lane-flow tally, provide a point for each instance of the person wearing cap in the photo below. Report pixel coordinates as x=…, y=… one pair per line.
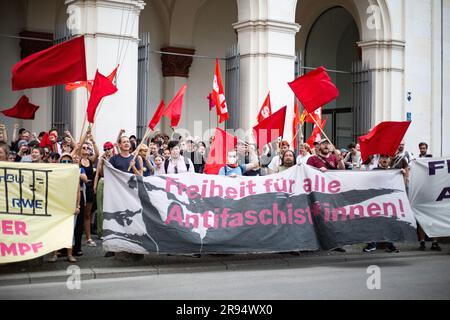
x=276, y=161
x=325, y=160
x=23, y=155
x=55, y=145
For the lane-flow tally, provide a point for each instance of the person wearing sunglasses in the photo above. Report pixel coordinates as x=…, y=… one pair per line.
x=87, y=163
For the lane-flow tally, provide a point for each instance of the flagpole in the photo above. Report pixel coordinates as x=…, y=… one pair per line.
x=320, y=128
x=85, y=117
x=138, y=148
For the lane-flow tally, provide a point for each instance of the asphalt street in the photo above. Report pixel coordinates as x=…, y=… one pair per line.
x=399, y=278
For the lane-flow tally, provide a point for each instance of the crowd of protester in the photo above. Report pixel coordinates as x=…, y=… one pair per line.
x=160, y=155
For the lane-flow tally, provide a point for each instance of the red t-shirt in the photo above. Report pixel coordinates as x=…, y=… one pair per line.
x=331, y=163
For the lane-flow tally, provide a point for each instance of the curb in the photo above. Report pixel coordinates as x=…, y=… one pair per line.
x=196, y=267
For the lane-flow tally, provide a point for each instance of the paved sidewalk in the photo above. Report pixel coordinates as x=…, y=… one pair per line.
x=94, y=265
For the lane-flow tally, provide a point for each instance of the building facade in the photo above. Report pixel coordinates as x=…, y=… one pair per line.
x=390, y=60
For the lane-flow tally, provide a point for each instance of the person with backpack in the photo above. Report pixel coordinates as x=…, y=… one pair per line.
x=176, y=163
x=234, y=169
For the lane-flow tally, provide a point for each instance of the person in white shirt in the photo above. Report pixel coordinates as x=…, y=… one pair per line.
x=304, y=153
x=276, y=161
x=176, y=163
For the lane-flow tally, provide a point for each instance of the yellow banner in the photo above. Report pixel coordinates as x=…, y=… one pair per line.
x=37, y=205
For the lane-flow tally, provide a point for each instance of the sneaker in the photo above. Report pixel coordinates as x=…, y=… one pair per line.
x=53, y=258
x=91, y=243
x=369, y=248
x=78, y=254
x=339, y=250
x=392, y=248
x=71, y=259
x=435, y=247
x=422, y=246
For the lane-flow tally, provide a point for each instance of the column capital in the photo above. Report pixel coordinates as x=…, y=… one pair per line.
x=174, y=65
x=264, y=25
x=115, y=4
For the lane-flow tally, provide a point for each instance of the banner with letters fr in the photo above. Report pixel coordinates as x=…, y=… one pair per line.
x=429, y=192
x=37, y=205
x=298, y=209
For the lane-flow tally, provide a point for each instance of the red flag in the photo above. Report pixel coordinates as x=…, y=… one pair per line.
x=60, y=64
x=173, y=110
x=46, y=142
x=88, y=84
x=383, y=139
x=316, y=135
x=102, y=87
x=22, y=110
x=211, y=102
x=314, y=89
x=270, y=128
x=266, y=109
x=80, y=84
x=308, y=117
x=112, y=75
x=295, y=124
x=218, y=95
x=157, y=116
x=223, y=142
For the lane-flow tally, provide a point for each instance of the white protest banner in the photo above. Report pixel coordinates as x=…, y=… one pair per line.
x=429, y=193
x=297, y=209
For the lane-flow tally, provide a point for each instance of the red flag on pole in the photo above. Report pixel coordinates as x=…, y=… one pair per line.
x=266, y=109
x=23, y=109
x=218, y=95
x=383, y=139
x=314, y=89
x=60, y=64
x=223, y=142
x=173, y=111
x=316, y=135
x=270, y=128
x=308, y=117
x=102, y=87
x=88, y=84
x=157, y=116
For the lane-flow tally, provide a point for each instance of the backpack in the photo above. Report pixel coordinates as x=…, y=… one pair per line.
x=166, y=164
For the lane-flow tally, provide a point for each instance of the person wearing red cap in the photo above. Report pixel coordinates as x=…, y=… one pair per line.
x=108, y=148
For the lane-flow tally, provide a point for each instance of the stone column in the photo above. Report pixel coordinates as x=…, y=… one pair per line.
x=266, y=35
x=175, y=70
x=111, y=37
